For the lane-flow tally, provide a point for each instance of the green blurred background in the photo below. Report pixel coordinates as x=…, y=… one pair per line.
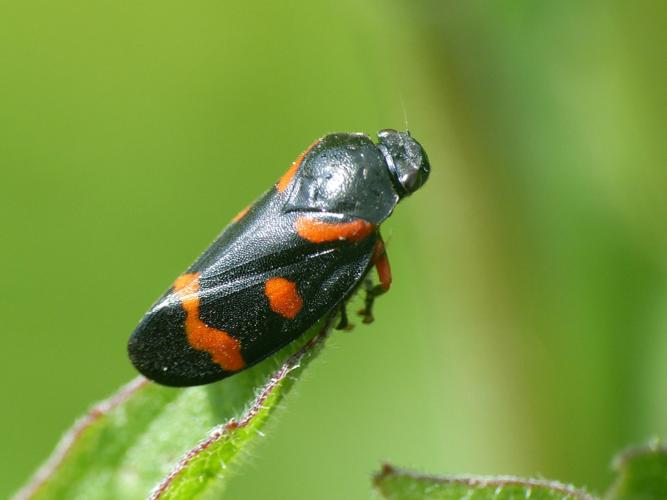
x=526, y=332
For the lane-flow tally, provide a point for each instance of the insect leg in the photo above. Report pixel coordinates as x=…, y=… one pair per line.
x=343, y=324
x=381, y=262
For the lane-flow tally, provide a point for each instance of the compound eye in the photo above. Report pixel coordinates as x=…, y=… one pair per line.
x=406, y=160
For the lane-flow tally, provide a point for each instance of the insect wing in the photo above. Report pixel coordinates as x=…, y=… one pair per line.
x=258, y=287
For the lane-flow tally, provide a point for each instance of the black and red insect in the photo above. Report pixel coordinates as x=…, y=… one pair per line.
x=284, y=262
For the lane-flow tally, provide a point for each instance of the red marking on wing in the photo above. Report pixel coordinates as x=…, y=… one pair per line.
x=317, y=231
x=283, y=297
x=224, y=349
x=291, y=171
x=241, y=214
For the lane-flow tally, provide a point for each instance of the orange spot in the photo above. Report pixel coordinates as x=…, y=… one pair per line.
x=241, y=214
x=224, y=349
x=283, y=297
x=381, y=262
x=317, y=231
x=291, y=171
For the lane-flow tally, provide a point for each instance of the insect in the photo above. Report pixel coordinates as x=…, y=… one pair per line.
x=284, y=262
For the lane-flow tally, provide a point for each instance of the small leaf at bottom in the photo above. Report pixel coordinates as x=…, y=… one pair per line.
x=642, y=474
x=397, y=484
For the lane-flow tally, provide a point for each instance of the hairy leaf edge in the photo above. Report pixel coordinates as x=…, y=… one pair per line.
x=220, y=431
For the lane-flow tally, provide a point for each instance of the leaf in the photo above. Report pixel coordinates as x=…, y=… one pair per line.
x=398, y=484
x=170, y=443
x=642, y=474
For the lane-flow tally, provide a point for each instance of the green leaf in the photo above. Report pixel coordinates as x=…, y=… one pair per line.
x=397, y=484
x=642, y=474
x=170, y=443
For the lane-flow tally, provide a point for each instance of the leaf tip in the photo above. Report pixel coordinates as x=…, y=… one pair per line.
x=623, y=458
